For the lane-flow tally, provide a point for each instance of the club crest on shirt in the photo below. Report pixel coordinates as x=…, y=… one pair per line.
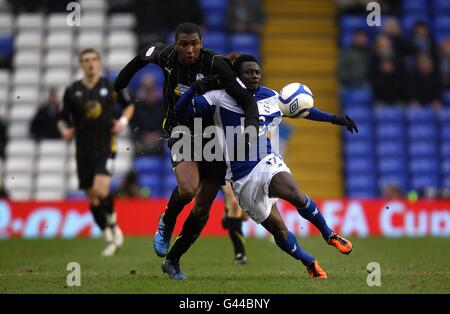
x=199, y=76
x=103, y=91
x=180, y=89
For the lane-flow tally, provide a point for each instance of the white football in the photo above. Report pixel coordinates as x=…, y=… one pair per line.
x=295, y=100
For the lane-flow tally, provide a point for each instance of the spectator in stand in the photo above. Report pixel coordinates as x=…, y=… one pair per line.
x=44, y=123
x=3, y=138
x=388, y=82
x=425, y=87
x=353, y=63
x=245, y=16
x=391, y=191
x=393, y=31
x=147, y=121
x=444, y=63
x=422, y=42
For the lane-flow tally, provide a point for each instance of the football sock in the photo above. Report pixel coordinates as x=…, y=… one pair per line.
x=236, y=236
x=174, y=207
x=99, y=216
x=192, y=228
x=312, y=213
x=291, y=247
x=108, y=208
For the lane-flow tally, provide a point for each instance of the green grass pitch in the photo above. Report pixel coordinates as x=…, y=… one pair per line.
x=413, y=265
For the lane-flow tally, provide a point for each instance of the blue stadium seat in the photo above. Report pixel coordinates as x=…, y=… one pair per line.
x=422, y=132
x=398, y=179
x=361, y=184
x=444, y=114
x=213, y=5
x=356, y=97
x=169, y=183
x=358, y=148
x=76, y=195
x=409, y=19
x=390, y=130
x=424, y=180
x=239, y=42
x=6, y=44
x=391, y=148
x=442, y=24
x=216, y=41
x=445, y=148
x=414, y=6
x=424, y=114
x=390, y=114
x=215, y=20
x=358, y=165
x=423, y=149
x=349, y=23
x=358, y=113
x=365, y=132
x=446, y=182
x=445, y=166
x=362, y=193
x=445, y=131
x=152, y=182
x=388, y=165
x=424, y=165
x=441, y=6
x=149, y=164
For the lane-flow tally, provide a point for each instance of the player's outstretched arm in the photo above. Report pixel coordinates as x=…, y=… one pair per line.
x=150, y=54
x=317, y=115
x=193, y=106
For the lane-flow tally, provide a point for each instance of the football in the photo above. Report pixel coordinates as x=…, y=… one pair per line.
x=295, y=100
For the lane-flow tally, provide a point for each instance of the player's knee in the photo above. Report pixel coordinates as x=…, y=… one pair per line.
x=281, y=234
x=202, y=209
x=187, y=191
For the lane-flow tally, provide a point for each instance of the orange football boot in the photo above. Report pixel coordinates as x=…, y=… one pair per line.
x=343, y=245
x=315, y=271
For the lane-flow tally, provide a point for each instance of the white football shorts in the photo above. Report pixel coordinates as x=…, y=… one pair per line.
x=252, y=191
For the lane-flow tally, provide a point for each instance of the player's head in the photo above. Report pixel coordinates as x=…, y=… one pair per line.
x=90, y=62
x=248, y=71
x=188, y=42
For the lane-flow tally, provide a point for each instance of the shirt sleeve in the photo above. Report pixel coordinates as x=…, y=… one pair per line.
x=317, y=115
x=65, y=112
x=150, y=54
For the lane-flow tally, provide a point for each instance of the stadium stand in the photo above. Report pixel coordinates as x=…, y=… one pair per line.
x=43, y=51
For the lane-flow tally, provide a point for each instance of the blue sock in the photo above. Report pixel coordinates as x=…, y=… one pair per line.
x=312, y=213
x=291, y=247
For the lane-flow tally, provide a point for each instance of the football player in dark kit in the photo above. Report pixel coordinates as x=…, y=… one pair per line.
x=185, y=64
x=87, y=116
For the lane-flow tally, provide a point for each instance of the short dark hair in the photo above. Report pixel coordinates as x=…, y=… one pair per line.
x=88, y=50
x=241, y=59
x=187, y=28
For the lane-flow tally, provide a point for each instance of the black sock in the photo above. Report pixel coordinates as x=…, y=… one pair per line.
x=236, y=236
x=192, y=228
x=99, y=216
x=107, y=205
x=174, y=207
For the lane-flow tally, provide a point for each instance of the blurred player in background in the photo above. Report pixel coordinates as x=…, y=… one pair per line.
x=259, y=184
x=87, y=116
x=185, y=64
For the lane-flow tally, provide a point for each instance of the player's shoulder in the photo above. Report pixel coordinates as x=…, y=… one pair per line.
x=157, y=50
x=265, y=92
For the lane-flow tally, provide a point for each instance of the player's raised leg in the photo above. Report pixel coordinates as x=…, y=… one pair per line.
x=187, y=176
x=283, y=186
x=287, y=241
